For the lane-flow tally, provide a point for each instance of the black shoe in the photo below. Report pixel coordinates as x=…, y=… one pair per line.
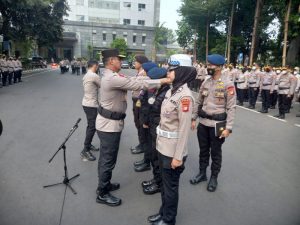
x=152, y=189
x=93, y=148
x=108, y=199
x=298, y=115
x=282, y=117
x=137, y=150
x=112, y=187
x=154, y=218
x=199, y=178
x=263, y=111
x=147, y=183
x=212, y=185
x=87, y=156
x=287, y=111
x=143, y=167
x=138, y=163
x=161, y=222
x=272, y=107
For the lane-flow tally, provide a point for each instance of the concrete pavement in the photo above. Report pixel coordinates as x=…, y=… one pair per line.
x=259, y=182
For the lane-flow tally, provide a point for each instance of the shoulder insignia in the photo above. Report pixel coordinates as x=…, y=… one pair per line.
x=185, y=104
x=231, y=90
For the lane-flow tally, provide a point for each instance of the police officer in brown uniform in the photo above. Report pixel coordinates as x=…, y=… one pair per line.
x=215, y=103
x=110, y=119
x=253, y=84
x=139, y=60
x=172, y=136
x=267, y=84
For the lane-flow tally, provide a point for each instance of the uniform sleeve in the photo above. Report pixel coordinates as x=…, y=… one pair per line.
x=126, y=83
x=198, y=103
x=97, y=81
x=184, y=115
x=273, y=83
x=230, y=105
x=258, y=79
x=293, y=81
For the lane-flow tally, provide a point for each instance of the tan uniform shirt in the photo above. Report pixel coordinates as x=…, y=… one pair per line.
x=241, y=80
x=216, y=97
x=10, y=66
x=91, y=85
x=16, y=65
x=176, y=116
x=254, y=79
x=135, y=94
x=286, y=84
x=19, y=63
x=3, y=64
x=267, y=81
x=113, y=97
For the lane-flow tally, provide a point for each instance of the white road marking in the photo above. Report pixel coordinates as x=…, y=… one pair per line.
x=251, y=110
x=297, y=125
x=38, y=73
x=277, y=118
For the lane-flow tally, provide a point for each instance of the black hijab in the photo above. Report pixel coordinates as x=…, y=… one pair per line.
x=183, y=75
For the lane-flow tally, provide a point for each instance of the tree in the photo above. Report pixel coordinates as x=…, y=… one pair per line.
x=120, y=44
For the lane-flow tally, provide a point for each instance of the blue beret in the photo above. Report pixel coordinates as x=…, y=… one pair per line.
x=148, y=66
x=157, y=73
x=216, y=59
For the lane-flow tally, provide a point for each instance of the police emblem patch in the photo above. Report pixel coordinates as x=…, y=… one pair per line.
x=185, y=104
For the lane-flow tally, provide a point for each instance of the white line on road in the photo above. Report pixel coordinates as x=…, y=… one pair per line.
x=247, y=109
x=297, y=125
x=277, y=118
x=38, y=73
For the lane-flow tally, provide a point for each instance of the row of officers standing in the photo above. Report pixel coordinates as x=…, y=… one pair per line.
x=164, y=113
x=10, y=70
x=76, y=65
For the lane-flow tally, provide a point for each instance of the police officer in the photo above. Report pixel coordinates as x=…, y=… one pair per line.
x=10, y=66
x=274, y=94
x=4, y=69
x=172, y=136
x=139, y=60
x=20, y=67
x=215, y=104
x=267, y=84
x=155, y=101
x=16, y=70
x=253, y=84
x=1, y=73
x=110, y=119
x=90, y=104
x=242, y=85
x=286, y=86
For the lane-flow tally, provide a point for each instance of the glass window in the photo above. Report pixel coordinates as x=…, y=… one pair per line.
x=142, y=7
x=141, y=22
x=79, y=2
x=143, y=39
x=114, y=36
x=134, y=38
x=104, y=36
x=104, y=20
x=80, y=18
x=126, y=21
x=127, y=4
x=104, y=4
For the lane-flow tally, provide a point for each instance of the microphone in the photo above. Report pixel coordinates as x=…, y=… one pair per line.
x=76, y=124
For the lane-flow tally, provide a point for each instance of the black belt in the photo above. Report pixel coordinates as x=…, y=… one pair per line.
x=216, y=117
x=240, y=82
x=266, y=84
x=283, y=88
x=252, y=82
x=111, y=115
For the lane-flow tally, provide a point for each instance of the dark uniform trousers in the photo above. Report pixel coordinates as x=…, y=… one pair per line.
x=282, y=103
x=241, y=95
x=136, y=115
x=253, y=93
x=266, y=99
x=109, y=147
x=169, y=189
x=289, y=103
x=16, y=75
x=274, y=97
x=4, y=78
x=10, y=76
x=91, y=115
x=209, y=145
x=154, y=155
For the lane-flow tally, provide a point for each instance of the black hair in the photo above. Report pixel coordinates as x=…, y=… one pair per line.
x=92, y=62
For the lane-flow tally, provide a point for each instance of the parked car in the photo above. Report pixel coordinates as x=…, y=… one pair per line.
x=38, y=62
x=125, y=65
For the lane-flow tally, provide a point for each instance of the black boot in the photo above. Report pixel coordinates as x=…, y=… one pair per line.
x=137, y=149
x=143, y=167
x=138, y=163
x=108, y=199
x=152, y=189
x=147, y=183
x=201, y=176
x=213, y=183
x=154, y=218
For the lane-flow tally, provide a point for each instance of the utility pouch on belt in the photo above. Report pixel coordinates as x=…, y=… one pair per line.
x=111, y=115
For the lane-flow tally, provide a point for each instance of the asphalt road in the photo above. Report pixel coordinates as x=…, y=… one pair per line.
x=259, y=182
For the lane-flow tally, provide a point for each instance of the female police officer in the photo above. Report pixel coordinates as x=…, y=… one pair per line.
x=172, y=136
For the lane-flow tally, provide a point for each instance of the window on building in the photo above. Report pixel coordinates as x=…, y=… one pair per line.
x=104, y=4
x=142, y=7
x=80, y=18
x=114, y=36
x=104, y=36
x=141, y=22
x=127, y=4
x=134, y=38
x=126, y=21
x=125, y=37
x=143, y=39
x=79, y=2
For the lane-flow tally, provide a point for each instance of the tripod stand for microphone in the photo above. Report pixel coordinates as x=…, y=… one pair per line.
x=66, y=180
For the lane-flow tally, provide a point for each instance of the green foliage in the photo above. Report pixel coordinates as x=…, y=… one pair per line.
x=120, y=44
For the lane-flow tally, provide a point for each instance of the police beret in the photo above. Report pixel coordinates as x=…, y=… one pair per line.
x=157, y=73
x=111, y=53
x=216, y=59
x=141, y=59
x=148, y=66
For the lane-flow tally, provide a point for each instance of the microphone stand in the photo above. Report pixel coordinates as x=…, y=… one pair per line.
x=66, y=180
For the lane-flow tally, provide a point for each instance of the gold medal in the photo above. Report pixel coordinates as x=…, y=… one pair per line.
x=138, y=104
